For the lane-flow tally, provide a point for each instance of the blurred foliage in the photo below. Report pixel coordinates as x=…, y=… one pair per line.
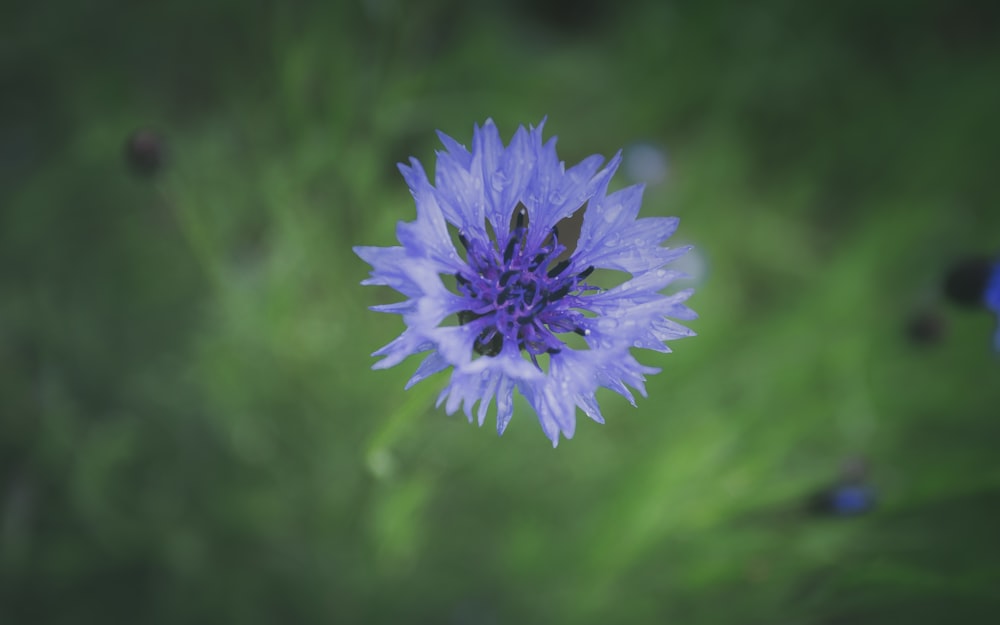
x=189, y=429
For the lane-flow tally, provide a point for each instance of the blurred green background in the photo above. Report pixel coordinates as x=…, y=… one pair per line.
x=189, y=428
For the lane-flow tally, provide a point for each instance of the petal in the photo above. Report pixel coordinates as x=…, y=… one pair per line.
x=555, y=409
x=607, y=215
x=622, y=371
x=612, y=238
x=505, y=403
x=506, y=174
x=387, y=263
x=631, y=322
x=508, y=362
x=399, y=308
x=455, y=343
x=638, y=290
x=434, y=363
x=421, y=187
x=471, y=384
x=458, y=185
x=576, y=371
x=456, y=150
x=406, y=344
x=427, y=236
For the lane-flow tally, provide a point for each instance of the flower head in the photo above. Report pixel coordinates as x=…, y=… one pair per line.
x=516, y=293
x=991, y=298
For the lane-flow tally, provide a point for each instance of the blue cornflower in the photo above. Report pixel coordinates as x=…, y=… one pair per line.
x=501, y=317
x=991, y=298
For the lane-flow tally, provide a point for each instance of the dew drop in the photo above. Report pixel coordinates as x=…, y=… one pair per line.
x=660, y=273
x=611, y=241
x=607, y=323
x=611, y=213
x=499, y=181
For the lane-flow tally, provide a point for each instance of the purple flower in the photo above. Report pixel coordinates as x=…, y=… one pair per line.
x=991, y=298
x=501, y=315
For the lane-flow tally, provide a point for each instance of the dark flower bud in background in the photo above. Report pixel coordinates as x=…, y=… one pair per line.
x=975, y=283
x=925, y=327
x=965, y=282
x=851, y=495
x=145, y=152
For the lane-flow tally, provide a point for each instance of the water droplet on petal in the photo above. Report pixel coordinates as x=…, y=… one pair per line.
x=607, y=323
x=611, y=213
x=637, y=343
x=499, y=181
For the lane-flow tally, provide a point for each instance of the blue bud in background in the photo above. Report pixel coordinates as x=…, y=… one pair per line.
x=850, y=499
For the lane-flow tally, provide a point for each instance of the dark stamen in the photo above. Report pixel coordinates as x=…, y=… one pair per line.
x=520, y=218
x=462, y=279
x=467, y=316
x=580, y=331
x=463, y=241
x=558, y=269
x=586, y=272
x=559, y=294
x=552, y=350
x=529, y=292
x=489, y=343
x=508, y=253
x=503, y=297
x=506, y=276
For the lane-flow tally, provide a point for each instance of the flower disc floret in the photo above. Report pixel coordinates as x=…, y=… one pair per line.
x=522, y=294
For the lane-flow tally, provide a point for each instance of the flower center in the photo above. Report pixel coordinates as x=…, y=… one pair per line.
x=520, y=295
